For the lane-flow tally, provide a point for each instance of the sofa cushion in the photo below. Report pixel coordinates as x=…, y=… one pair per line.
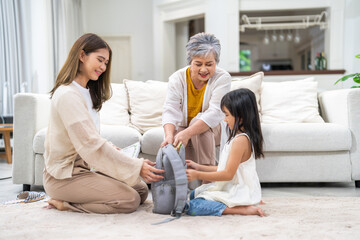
x=39, y=140
x=115, y=111
x=317, y=137
x=290, y=102
x=151, y=140
x=121, y=136
x=252, y=82
x=146, y=101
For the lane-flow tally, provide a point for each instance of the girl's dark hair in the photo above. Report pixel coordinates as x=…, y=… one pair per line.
x=241, y=104
x=100, y=90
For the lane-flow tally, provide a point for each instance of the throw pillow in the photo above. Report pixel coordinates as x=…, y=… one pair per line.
x=252, y=82
x=115, y=110
x=146, y=101
x=290, y=102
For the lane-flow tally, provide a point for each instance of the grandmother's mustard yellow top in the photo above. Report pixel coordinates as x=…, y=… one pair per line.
x=195, y=98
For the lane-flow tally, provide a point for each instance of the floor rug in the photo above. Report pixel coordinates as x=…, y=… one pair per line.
x=288, y=218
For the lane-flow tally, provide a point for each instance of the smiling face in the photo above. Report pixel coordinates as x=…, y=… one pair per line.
x=202, y=68
x=229, y=119
x=92, y=65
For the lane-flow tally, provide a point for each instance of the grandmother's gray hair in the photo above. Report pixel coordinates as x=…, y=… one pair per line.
x=201, y=45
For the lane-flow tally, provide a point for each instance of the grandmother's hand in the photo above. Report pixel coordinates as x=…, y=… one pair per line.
x=148, y=173
x=167, y=140
x=181, y=137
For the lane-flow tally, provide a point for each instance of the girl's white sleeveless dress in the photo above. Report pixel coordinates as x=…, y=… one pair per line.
x=243, y=189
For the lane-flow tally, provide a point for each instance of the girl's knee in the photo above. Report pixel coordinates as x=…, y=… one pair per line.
x=202, y=207
x=192, y=195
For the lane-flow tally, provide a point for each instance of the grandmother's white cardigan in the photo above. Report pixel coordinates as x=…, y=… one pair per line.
x=175, y=107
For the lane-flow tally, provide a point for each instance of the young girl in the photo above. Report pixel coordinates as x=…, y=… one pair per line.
x=235, y=186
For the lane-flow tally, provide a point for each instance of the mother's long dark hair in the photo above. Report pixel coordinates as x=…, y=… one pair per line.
x=241, y=104
x=100, y=90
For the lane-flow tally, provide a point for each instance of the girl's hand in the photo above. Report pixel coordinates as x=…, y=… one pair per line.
x=192, y=165
x=191, y=174
x=167, y=140
x=148, y=173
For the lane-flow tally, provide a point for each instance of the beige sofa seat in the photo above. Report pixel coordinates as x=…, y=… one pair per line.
x=121, y=136
x=292, y=137
x=302, y=137
x=151, y=141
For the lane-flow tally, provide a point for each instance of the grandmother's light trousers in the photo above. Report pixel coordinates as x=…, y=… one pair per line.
x=201, y=148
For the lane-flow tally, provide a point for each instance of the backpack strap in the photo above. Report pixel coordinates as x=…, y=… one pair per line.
x=159, y=164
x=177, y=164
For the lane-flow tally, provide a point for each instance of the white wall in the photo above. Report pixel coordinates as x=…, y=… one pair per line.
x=123, y=17
x=182, y=37
x=41, y=47
x=135, y=18
x=351, y=39
x=221, y=19
x=166, y=13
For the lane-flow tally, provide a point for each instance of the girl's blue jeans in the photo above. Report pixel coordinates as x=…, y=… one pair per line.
x=202, y=207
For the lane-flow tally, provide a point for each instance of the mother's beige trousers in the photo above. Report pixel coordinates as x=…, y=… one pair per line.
x=94, y=192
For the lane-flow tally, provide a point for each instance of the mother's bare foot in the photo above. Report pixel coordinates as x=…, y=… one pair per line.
x=49, y=206
x=59, y=205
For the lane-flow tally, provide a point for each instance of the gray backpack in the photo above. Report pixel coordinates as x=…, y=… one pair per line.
x=170, y=194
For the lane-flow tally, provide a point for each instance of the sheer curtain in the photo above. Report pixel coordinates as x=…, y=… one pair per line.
x=14, y=52
x=67, y=27
x=21, y=69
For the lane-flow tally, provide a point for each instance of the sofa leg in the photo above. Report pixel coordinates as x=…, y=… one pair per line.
x=357, y=184
x=26, y=187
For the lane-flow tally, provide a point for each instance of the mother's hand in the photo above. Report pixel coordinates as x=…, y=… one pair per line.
x=148, y=173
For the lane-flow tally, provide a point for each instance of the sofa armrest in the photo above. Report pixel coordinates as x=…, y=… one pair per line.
x=31, y=113
x=342, y=107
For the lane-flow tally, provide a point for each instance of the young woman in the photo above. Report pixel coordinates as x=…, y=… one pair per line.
x=73, y=145
x=235, y=187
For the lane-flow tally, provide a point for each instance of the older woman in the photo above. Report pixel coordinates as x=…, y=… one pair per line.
x=192, y=111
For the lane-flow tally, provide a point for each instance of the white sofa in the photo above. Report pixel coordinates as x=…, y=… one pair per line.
x=327, y=151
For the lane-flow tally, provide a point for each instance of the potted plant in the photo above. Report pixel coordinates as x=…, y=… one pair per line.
x=355, y=76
